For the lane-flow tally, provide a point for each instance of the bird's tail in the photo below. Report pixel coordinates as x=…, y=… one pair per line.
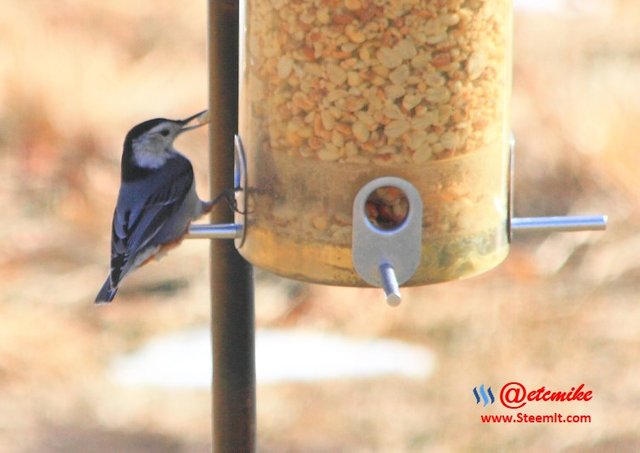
x=106, y=293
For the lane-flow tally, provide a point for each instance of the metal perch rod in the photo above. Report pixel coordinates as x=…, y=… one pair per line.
x=220, y=231
x=526, y=224
x=560, y=223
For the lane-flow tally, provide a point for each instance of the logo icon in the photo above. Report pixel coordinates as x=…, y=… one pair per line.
x=485, y=395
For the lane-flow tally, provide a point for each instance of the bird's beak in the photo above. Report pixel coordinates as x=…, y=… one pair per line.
x=200, y=119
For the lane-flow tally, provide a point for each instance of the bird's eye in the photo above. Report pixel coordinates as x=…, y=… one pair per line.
x=164, y=132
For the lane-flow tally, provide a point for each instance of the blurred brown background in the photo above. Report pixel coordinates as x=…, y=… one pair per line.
x=562, y=310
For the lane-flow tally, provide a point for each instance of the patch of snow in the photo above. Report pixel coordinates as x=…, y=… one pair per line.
x=183, y=359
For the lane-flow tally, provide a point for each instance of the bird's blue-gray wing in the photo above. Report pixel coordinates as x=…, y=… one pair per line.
x=140, y=217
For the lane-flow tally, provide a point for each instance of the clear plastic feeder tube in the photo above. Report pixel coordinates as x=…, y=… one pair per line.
x=334, y=94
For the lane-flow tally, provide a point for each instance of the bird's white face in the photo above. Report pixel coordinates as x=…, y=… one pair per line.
x=154, y=147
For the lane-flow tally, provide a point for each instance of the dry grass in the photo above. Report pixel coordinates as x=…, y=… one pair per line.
x=562, y=310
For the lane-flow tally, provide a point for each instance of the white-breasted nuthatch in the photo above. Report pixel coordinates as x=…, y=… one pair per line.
x=157, y=199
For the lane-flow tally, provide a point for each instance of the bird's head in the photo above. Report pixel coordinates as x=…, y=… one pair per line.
x=149, y=144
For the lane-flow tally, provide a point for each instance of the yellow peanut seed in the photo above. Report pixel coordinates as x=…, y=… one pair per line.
x=285, y=66
x=438, y=95
x=353, y=5
x=406, y=49
x=393, y=112
x=366, y=119
x=336, y=74
x=394, y=91
x=322, y=15
x=353, y=78
x=305, y=132
x=328, y=121
x=476, y=64
x=302, y=101
x=354, y=35
x=422, y=154
x=360, y=131
x=388, y=57
x=328, y=153
x=409, y=101
x=399, y=75
x=350, y=149
x=337, y=139
x=449, y=140
x=396, y=128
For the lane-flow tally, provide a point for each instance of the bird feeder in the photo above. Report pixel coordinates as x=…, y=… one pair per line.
x=374, y=143
x=373, y=149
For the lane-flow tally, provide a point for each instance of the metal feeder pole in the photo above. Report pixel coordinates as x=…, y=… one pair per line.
x=232, y=299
